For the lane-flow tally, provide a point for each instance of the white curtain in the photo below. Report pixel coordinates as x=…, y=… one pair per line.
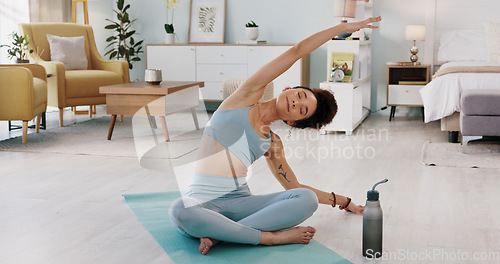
x=50, y=10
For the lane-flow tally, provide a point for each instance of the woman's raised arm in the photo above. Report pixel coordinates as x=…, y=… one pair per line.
x=252, y=89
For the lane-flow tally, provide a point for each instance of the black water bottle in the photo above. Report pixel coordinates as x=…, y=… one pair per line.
x=372, y=224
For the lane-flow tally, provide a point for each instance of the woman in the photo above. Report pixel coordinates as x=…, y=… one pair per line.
x=219, y=205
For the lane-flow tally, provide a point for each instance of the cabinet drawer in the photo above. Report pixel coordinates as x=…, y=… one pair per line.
x=219, y=54
x=220, y=72
x=404, y=95
x=211, y=91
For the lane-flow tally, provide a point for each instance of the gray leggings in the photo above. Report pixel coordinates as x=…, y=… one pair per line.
x=224, y=209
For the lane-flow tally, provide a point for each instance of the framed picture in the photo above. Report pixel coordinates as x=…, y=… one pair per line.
x=207, y=21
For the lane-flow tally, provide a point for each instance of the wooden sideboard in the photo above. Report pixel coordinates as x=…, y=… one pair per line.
x=212, y=64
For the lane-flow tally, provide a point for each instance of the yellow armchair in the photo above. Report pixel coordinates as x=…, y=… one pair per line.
x=23, y=94
x=71, y=88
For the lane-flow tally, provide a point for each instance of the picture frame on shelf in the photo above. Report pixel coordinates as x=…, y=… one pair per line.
x=343, y=61
x=207, y=21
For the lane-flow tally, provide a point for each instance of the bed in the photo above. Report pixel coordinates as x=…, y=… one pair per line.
x=467, y=59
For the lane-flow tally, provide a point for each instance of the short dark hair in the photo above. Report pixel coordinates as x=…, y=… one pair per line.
x=326, y=109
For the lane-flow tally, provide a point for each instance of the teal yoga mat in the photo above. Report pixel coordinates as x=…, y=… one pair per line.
x=152, y=211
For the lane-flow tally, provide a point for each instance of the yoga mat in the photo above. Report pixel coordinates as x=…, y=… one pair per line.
x=152, y=211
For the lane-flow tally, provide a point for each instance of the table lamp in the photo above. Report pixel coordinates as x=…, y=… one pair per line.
x=344, y=9
x=415, y=33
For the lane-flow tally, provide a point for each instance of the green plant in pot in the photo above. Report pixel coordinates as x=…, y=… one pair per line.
x=251, y=30
x=122, y=44
x=169, y=27
x=19, y=48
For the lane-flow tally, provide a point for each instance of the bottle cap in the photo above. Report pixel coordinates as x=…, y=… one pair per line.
x=372, y=195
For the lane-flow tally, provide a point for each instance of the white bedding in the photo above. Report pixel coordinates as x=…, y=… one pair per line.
x=441, y=97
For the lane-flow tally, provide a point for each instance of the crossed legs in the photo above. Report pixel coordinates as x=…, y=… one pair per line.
x=253, y=219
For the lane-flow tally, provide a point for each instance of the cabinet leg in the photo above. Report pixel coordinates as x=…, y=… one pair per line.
x=393, y=111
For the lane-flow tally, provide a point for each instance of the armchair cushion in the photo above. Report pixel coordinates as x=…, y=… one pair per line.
x=68, y=50
x=86, y=83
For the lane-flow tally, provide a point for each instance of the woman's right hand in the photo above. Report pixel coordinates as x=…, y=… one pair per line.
x=355, y=26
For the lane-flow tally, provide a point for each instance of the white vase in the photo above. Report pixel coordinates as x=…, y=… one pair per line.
x=170, y=38
x=252, y=33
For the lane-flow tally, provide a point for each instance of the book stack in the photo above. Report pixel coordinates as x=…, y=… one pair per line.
x=400, y=63
x=255, y=42
x=412, y=80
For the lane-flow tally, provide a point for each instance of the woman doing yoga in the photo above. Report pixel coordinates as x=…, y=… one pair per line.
x=218, y=205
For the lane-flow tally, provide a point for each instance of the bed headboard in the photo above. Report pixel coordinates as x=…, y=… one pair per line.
x=445, y=15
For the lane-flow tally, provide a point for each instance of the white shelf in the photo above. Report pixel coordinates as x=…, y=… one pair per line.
x=352, y=42
x=352, y=85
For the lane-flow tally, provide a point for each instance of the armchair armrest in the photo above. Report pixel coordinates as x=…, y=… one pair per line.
x=37, y=71
x=117, y=66
x=16, y=91
x=56, y=84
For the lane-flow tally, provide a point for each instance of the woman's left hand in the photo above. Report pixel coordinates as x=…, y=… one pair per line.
x=355, y=209
x=355, y=26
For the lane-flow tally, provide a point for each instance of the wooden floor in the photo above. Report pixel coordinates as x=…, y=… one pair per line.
x=57, y=208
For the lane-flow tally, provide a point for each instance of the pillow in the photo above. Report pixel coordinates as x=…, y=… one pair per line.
x=68, y=50
x=492, y=31
x=462, y=45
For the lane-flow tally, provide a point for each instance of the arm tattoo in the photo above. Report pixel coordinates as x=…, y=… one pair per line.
x=282, y=173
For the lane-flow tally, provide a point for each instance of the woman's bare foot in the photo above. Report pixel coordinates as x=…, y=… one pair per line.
x=296, y=235
x=206, y=243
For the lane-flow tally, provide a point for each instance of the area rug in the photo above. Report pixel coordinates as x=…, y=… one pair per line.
x=134, y=137
x=475, y=155
x=151, y=209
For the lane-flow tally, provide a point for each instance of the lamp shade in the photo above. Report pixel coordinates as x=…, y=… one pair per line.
x=415, y=32
x=345, y=8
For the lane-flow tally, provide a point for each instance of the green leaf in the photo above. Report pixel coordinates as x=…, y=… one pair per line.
x=108, y=52
x=131, y=41
x=110, y=38
x=120, y=4
x=113, y=55
x=169, y=28
x=112, y=26
x=121, y=50
x=125, y=9
x=131, y=33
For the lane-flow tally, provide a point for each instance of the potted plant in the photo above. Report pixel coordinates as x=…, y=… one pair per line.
x=169, y=28
x=252, y=30
x=19, y=48
x=122, y=44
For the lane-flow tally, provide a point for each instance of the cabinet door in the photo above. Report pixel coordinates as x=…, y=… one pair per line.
x=221, y=54
x=258, y=56
x=177, y=63
x=408, y=95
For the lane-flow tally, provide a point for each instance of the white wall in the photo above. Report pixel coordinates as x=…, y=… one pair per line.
x=389, y=42
x=12, y=12
x=280, y=21
x=283, y=21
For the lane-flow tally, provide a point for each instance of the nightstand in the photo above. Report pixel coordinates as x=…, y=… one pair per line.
x=403, y=85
